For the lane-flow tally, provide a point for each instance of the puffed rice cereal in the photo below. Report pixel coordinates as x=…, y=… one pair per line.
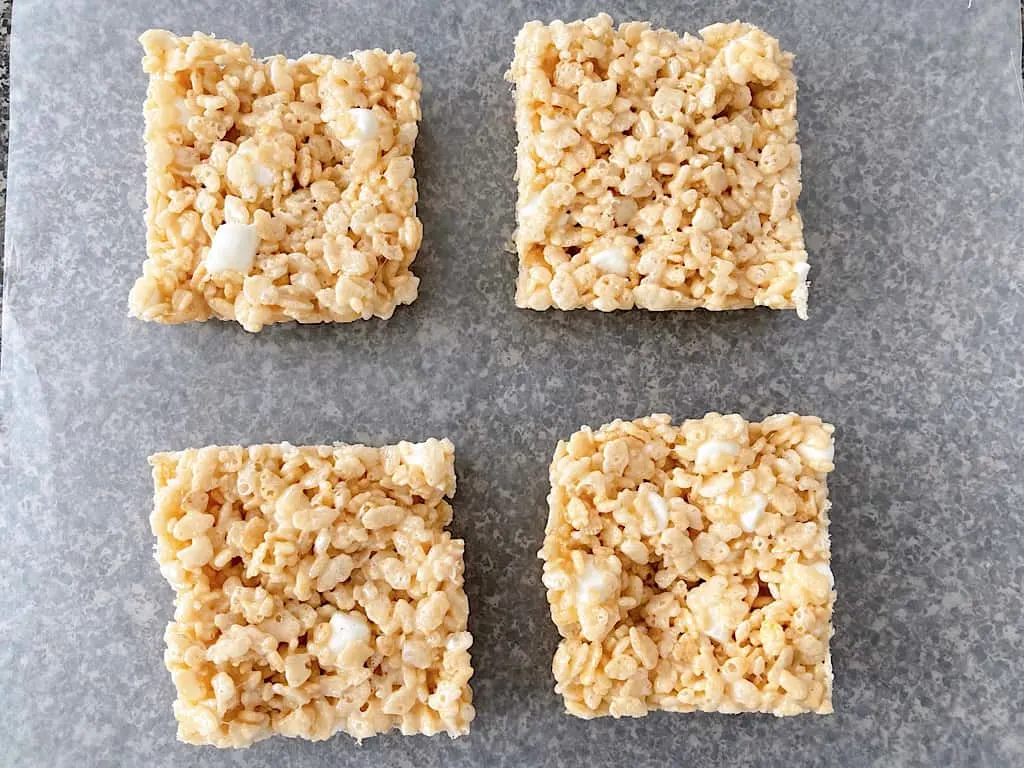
x=277, y=189
x=656, y=171
x=688, y=567
x=317, y=591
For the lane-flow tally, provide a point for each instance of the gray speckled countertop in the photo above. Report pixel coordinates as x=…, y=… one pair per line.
x=5, y=92
x=913, y=134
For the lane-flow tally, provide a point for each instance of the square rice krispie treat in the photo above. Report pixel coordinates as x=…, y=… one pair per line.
x=656, y=171
x=317, y=591
x=277, y=189
x=687, y=567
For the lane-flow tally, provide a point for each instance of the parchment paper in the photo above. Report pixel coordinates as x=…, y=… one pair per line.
x=911, y=126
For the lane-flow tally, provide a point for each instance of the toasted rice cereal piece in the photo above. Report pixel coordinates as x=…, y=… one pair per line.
x=656, y=171
x=687, y=567
x=317, y=591
x=277, y=189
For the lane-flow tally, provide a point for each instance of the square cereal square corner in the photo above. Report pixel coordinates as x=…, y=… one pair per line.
x=316, y=591
x=688, y=567
x=277, y=189
x=656, y=171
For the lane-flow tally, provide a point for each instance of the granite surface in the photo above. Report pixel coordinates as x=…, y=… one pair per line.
x=911, y=124
x=5, y=93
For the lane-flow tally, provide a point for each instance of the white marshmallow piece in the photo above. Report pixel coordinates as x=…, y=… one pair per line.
x=346, y=630
x=826, y=570
x=713, y=451
x=752, y=515
x=614, y=260
x=593, y=585
x=244, y=167
x=365, y=128
x=659, y=509
x=719, y=629
x=264, y=176
x=233, y=249
x=812, y=454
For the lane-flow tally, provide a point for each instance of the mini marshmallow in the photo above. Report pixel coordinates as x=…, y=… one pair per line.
x=365, y=128
x=233, y=249
x=346, y=630
x=713, y=451
x=593, y=585
x=752, y=515
x=659, y=509
x=614, y=260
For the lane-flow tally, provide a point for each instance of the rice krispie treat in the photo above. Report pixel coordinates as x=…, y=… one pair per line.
x=687, y=567
x=278, y=189
x=656, y=171
x=317, y=591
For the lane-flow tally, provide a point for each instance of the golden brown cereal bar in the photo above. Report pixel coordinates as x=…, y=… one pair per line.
x=317, y=591
x=687, y=567
x=656, y=171
x=277, y=189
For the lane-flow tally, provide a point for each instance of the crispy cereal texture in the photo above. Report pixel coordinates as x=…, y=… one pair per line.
x=317, y=591
x=308, y=161
x=687, y=567
x=656, y=171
